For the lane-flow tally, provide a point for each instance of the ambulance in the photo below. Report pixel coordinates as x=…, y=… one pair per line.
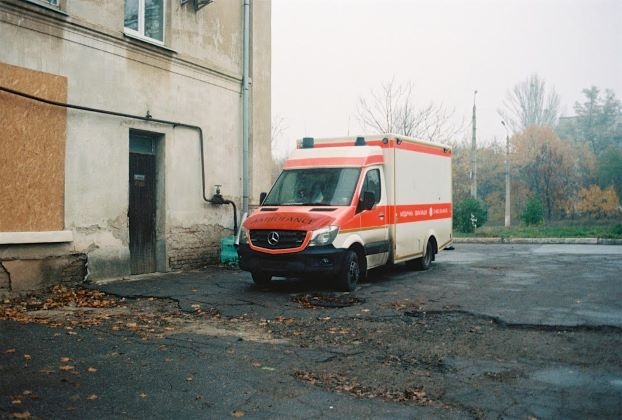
x=342, y=206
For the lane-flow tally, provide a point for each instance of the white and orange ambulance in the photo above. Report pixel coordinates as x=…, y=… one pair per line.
x=343, y=206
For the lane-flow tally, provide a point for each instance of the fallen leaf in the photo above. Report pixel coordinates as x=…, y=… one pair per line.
x=24, y=415
x=27, y=392
x=16, y=401
x=27, y=357
x=238, y=413
x=91, y=370
x=65, y=359
x=142, y=395
x=74, y=397
x=92, y=397
x=189, y=379
x=8, y=351
x=66, y=368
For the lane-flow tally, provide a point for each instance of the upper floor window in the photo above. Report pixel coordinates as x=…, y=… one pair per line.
x=145, y=19
x=54, y=3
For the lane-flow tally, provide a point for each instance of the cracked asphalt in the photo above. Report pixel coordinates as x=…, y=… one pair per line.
x=491, y=331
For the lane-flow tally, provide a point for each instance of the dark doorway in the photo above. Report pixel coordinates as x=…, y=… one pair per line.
x=142, y=205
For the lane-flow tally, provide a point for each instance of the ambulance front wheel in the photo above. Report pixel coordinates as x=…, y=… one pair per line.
x=261, y=279
x=350, y=274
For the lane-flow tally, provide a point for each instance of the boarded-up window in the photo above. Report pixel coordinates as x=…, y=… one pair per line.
x=32, y=151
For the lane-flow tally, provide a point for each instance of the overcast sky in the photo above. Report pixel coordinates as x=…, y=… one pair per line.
x=326, y=54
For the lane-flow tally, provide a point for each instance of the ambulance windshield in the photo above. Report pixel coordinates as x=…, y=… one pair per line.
x=314, y=187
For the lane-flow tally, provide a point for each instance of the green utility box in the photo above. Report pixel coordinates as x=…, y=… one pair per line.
x=228, y=253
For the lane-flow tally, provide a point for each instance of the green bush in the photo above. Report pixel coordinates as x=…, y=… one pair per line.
x=469, y=214
x=533, y=213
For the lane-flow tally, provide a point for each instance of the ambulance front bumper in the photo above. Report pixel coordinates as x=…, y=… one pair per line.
x=313, y=260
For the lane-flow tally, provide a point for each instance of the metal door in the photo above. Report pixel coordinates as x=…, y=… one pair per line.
x=142, y=211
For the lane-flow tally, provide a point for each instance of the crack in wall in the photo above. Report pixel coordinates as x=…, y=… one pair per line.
x=5, y=278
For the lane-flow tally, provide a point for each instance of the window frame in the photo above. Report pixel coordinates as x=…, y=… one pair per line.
x=366, y=182
x=52, y=5
x=140, y=33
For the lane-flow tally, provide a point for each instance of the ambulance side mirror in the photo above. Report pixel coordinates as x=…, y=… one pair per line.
x=368, y=201
x=262, y=197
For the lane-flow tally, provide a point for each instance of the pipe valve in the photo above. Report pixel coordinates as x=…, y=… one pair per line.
x=217, y=198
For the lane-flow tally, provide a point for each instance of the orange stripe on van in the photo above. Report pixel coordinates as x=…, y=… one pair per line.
x=407, y=213
x=412, y=147
x=334, y=162
x=392, y=143
x=403, y=213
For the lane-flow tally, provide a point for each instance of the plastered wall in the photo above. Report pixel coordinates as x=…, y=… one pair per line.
x=32, y=151
x=195, y=79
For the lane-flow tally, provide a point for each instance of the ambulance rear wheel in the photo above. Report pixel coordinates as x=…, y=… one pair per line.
x=425, y=262
x=350, y=274
x=261, y=279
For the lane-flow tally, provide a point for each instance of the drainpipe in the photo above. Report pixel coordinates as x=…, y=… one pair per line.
x=245, y=111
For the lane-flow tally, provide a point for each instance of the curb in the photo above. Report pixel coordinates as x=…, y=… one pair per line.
x=576, y=241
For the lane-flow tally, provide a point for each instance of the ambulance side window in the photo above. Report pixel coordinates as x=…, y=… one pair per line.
x=372, y=184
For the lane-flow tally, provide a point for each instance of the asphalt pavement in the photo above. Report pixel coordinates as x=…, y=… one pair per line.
x=237, y=365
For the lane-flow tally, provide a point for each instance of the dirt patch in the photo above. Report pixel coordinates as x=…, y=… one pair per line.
x=326, y=300
x=72, y=308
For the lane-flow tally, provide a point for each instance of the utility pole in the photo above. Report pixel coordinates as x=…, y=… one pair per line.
x=474, y=154
x=507, y=175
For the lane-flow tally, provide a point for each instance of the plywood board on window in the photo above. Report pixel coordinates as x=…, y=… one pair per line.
x=32, y=151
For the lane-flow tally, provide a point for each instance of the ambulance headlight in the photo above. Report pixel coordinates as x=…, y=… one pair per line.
x=324, y=236
x=242, y=235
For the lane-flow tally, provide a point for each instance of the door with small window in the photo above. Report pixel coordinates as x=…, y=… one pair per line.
x=142, y=203
x=374, y=228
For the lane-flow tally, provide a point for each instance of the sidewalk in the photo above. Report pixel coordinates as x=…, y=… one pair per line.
x=502, y=240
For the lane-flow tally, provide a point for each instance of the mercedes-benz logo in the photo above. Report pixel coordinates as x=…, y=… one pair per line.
x=273, y=238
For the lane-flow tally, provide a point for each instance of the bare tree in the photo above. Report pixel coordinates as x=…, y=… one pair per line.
x=391, y=109
x=280, y=148
x=530, y=103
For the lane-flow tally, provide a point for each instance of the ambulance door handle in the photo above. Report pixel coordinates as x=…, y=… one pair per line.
x=381, y=215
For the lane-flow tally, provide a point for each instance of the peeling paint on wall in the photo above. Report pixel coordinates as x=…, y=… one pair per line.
x=194, y=246
x=24, y=275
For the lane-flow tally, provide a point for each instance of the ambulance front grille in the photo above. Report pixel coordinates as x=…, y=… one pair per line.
x=277, y=239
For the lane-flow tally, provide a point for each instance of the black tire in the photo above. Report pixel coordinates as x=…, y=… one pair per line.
x=350, y=274
x=261, y=279
x=425, y=262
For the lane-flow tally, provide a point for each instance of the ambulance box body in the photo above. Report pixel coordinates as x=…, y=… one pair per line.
x=342, y=206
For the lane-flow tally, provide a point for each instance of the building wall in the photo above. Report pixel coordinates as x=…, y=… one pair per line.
x=194, y=79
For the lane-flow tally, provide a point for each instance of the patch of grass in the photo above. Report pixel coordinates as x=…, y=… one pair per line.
x=558, y=229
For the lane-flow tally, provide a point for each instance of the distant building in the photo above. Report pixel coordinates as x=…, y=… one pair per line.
x=85, y=193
